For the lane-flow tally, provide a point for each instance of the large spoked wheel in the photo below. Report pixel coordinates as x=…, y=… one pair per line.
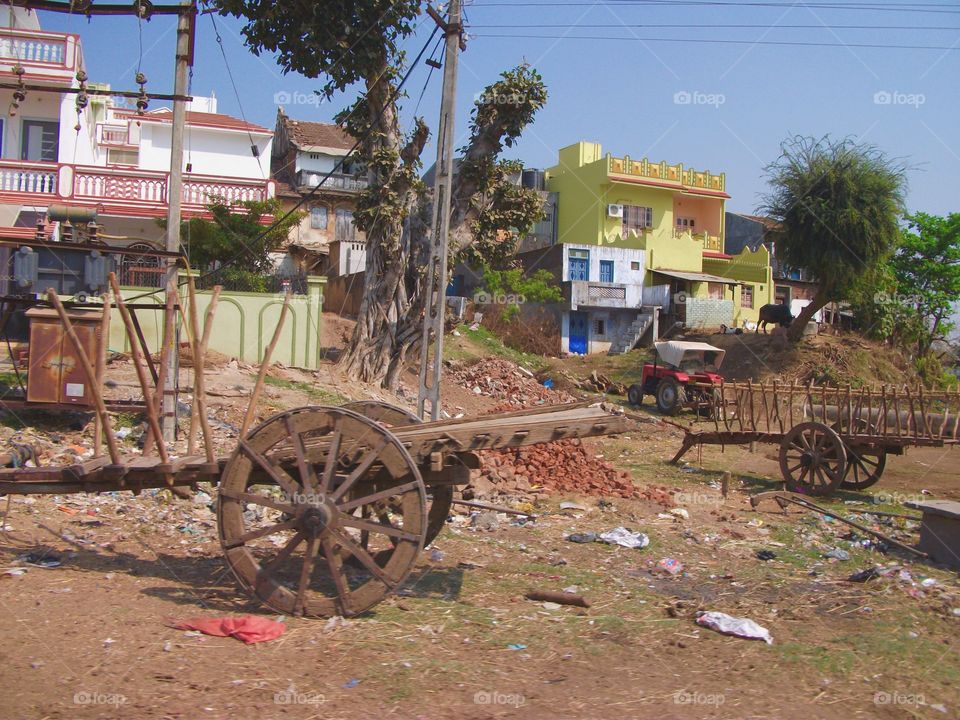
x=670, y=396
x=321, y=512
x=864, y=468
x=441, y=496
x=812, y=459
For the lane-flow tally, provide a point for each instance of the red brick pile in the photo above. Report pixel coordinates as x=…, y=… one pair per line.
x=501, y=379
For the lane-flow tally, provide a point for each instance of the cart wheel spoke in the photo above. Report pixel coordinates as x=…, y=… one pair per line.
x=280, y=558
x=382, y=495
x=820, y=463
x=308, y=476
x=336, y=571
x=278, y=475
x=256, y=499
x=384, y=528
x=333, y=454
x=263, y=532
x=366, y=461
x=363, y=556
x=306, y=574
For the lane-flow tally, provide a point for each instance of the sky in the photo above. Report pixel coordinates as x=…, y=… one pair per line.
x=616, y=75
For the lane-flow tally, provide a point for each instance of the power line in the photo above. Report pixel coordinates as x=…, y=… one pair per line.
x=735, y=26
x=699, y=40
x=873, y=7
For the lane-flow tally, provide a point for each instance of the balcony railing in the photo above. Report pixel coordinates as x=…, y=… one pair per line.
x=114, y=135
x=711, y=243
x=662, y=172
x=120, y=191
x=38, y=52
x=348, y=183
x=599, y=294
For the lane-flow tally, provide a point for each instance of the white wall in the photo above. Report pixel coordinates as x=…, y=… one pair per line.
x=212, y=151
x=322, y=164
x=20, y=18
x=622, y=273
x=37, y=106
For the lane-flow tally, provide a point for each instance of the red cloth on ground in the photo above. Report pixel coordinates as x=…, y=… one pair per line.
x=249, y=628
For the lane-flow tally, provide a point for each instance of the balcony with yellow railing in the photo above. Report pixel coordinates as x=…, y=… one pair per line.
x=663, y=173
x=711, y=243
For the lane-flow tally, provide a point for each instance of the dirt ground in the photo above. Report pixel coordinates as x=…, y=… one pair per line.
x=90, y=636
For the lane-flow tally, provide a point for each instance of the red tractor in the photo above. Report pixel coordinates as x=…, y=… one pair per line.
x=680, y=376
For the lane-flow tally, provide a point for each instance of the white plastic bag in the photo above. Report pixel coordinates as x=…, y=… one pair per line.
x=729, y=625
x=624, y=538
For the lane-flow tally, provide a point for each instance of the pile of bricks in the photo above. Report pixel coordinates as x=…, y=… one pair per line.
x=501, y=379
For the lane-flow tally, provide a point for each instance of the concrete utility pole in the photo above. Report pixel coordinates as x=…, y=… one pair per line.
x=171, y=340
x=431, y=359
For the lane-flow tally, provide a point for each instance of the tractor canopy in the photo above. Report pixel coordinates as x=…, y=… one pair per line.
x=690, y=357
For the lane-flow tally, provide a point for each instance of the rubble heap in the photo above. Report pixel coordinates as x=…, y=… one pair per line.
x=501, y=379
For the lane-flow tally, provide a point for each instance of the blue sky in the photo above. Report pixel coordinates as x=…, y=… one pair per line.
x=628, y=94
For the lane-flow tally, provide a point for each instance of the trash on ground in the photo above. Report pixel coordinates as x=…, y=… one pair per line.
x=729, y=625
x=587, y=537
x=248, y=628
x=864, y=575
x=561, y=598
x=567, y=505
x=838, y=554
x=670, y=565
x=765, y=555
x=625, y=538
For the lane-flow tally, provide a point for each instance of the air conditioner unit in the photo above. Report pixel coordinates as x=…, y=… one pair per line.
x=615, y=211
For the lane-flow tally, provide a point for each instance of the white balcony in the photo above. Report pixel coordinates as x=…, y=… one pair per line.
x=118, y=191
x=44, y=56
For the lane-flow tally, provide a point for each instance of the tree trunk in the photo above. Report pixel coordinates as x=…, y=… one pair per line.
x=795, y=332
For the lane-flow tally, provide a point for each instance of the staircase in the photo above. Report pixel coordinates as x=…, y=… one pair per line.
x=628, y=339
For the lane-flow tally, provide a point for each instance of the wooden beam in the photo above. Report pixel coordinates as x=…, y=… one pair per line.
x=264, y=366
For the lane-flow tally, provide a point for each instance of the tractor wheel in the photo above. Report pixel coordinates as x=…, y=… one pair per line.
x=635, y=395
x=671, y=397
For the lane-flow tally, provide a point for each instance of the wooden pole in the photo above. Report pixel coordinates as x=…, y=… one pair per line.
x=139, y=365
x=101, y=370
x=264, y=366
x=91, y=376
x=169, y=316
x=201, y=400
x=199, y=382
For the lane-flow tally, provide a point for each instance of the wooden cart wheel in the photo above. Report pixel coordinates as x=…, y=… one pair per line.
x=812, y=459
x=441, y=496
x=864, y=468
x=286, y=512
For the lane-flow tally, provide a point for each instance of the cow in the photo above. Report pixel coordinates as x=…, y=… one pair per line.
x=777, y=313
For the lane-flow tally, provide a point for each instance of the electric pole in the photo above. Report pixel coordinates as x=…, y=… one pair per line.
x=431, y=359
x=171, y=339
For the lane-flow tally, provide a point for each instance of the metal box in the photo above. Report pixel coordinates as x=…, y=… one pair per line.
x=55, y=374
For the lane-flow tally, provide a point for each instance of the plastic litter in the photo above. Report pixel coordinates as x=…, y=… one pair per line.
x=436, y=555
x=625, y=538
x=587, y=537
x=671, y=566
x=567, y=505
x=516, y=646
x=838, y=554
x=766, y=555
x=864, y=575
x=352, y=683
x=248, y=628
x=729, y=625
x=680, y=513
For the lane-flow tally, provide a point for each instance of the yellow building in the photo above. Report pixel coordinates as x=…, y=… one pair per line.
x=624, y=223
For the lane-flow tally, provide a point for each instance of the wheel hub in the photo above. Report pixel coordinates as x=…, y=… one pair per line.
x=315, y=520
x=808, y=459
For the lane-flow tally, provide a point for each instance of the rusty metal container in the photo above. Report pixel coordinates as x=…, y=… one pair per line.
x=55, y=374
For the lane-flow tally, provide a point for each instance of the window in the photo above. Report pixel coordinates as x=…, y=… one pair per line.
x=715, y=290
x=318, y=217
x=685, y=223
x=746, y=297
x=606, y=271
x=40, y=140
x=344, y=230
x=636, y=218
x=601, y=327
x=578, y=264
x=122, y=157
x=634, y=265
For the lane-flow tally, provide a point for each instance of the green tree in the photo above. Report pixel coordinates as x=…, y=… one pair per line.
x=926, y=273
x=232, y=237
x=349, y=43
x=837, y=204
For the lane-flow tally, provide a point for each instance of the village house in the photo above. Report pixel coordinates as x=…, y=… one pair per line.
x=639, y=249
x=326, y=242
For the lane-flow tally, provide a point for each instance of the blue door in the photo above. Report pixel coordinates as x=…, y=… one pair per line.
x=579, y=264
x=578, y=333
x=606, y=271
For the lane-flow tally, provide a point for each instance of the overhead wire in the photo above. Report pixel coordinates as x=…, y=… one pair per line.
x=719, y=41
